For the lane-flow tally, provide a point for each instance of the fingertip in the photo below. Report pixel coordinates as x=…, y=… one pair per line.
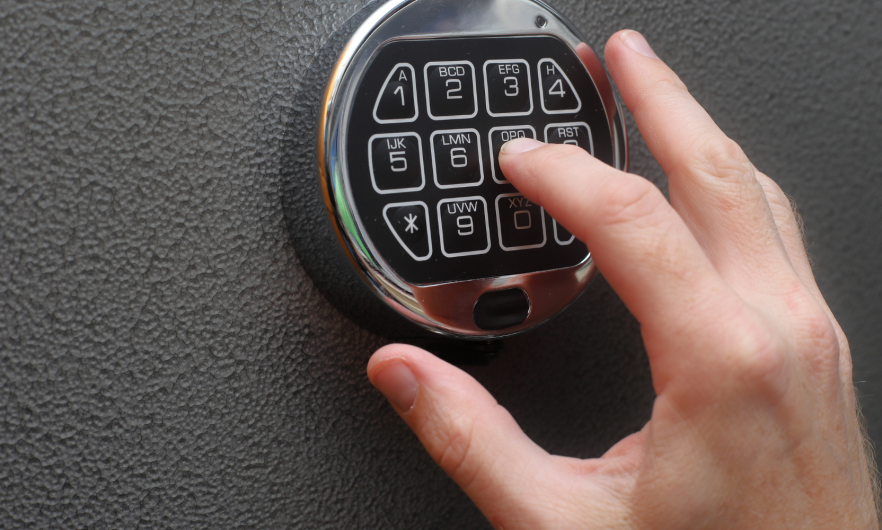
x=518, y=146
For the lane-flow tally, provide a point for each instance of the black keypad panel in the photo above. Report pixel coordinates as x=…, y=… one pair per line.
x=426, y=127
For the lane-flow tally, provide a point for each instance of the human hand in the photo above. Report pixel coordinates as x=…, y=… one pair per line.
x=754, y=424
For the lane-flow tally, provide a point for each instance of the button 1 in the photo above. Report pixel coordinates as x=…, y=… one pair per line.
x=558, y=94
x=409, y=222
x=396, y=162
x=508, y=88
x=464, y=226
x=501, y=309
x=521, y=223
x=577, y=133
x=456, y=158
x=498, y=136
x=561, y=235
x=450, y=90
x=397, y=101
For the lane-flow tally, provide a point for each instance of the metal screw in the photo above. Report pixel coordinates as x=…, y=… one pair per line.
x=541, y=21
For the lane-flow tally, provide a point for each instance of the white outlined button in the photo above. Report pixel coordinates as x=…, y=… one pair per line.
x=520, y=223
x=497, y=137
x=464, y=226
x=558, y=94
x=508, y=88
x=448, y=94
x=397, y=100
x=409, y=223
x=575, y=133
x=561, y=238
x=457, y=160
x=395, y=161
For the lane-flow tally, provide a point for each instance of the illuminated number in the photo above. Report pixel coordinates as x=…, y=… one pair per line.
x=557, y=89
x=466, y=225
x=458, y=157
x=393, y=157
x=400, y=90
x=451, y=91
x=513, y=86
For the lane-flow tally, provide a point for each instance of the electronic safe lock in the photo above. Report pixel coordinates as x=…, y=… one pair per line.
x=418, y=105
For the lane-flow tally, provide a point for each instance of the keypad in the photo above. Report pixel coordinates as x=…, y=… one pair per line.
x=427, y=124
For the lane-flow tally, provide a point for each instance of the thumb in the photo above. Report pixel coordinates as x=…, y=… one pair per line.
x=474, y=440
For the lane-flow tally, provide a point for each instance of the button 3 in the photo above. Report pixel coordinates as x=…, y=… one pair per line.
x=508, y=88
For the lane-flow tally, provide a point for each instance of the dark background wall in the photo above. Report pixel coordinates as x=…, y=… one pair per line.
x=165, y=361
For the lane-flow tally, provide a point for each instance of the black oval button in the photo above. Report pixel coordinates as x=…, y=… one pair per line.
x=501, y=309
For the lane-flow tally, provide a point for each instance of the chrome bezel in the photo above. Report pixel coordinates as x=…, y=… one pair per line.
x=446, y=308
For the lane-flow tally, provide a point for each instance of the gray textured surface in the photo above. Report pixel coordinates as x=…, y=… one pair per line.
x=165, y=362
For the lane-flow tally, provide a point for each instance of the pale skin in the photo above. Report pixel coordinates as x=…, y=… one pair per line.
x=755, y=423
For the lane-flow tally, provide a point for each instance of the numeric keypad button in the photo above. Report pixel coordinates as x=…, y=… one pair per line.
x=456, y=158
x=562, y=236
x=409, y=223
x=498, y=136
x=396, y=162
x=520, y=222
x=576, y=133
x=464, y=226
x=450, y=90
x=508, y=88
x=558, y=94
x=397, y=101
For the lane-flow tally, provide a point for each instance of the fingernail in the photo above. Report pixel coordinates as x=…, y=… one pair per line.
x=398, y=384
x=638, y=43
x=519, y=145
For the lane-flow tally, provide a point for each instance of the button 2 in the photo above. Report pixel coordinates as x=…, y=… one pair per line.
x=520, y=222
x=576, y=133
x=397, y=102
x=396, y=162
x=456, y=158
x=558, y=94
x=464, y=226
x=498, y=136
x=450, y=90
x=508, y=88
x=409, y=223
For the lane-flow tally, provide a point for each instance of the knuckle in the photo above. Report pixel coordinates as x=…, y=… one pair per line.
x=450, y=443
x=722, y=158
x=632, y=200
x=760, y=359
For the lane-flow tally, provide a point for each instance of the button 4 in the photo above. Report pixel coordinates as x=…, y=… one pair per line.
x=409, y=223
x=576, y=133
x=508, y=88
x=450, y=90
x=456, y=158
x=558, y=94
x=464, y=226
x=396, y=162
x=498, y=136
x=520, y=222
x=397, y=101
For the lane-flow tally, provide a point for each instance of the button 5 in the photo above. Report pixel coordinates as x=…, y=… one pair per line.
x=397, y=101
x=576, y=133
x=396, y=162
x=508, y=88
x=498, y=137
x=456, y=158
x=521, y=223
x=558, y=94
x=464, y=226
x=409, y=223
x=450, y=90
